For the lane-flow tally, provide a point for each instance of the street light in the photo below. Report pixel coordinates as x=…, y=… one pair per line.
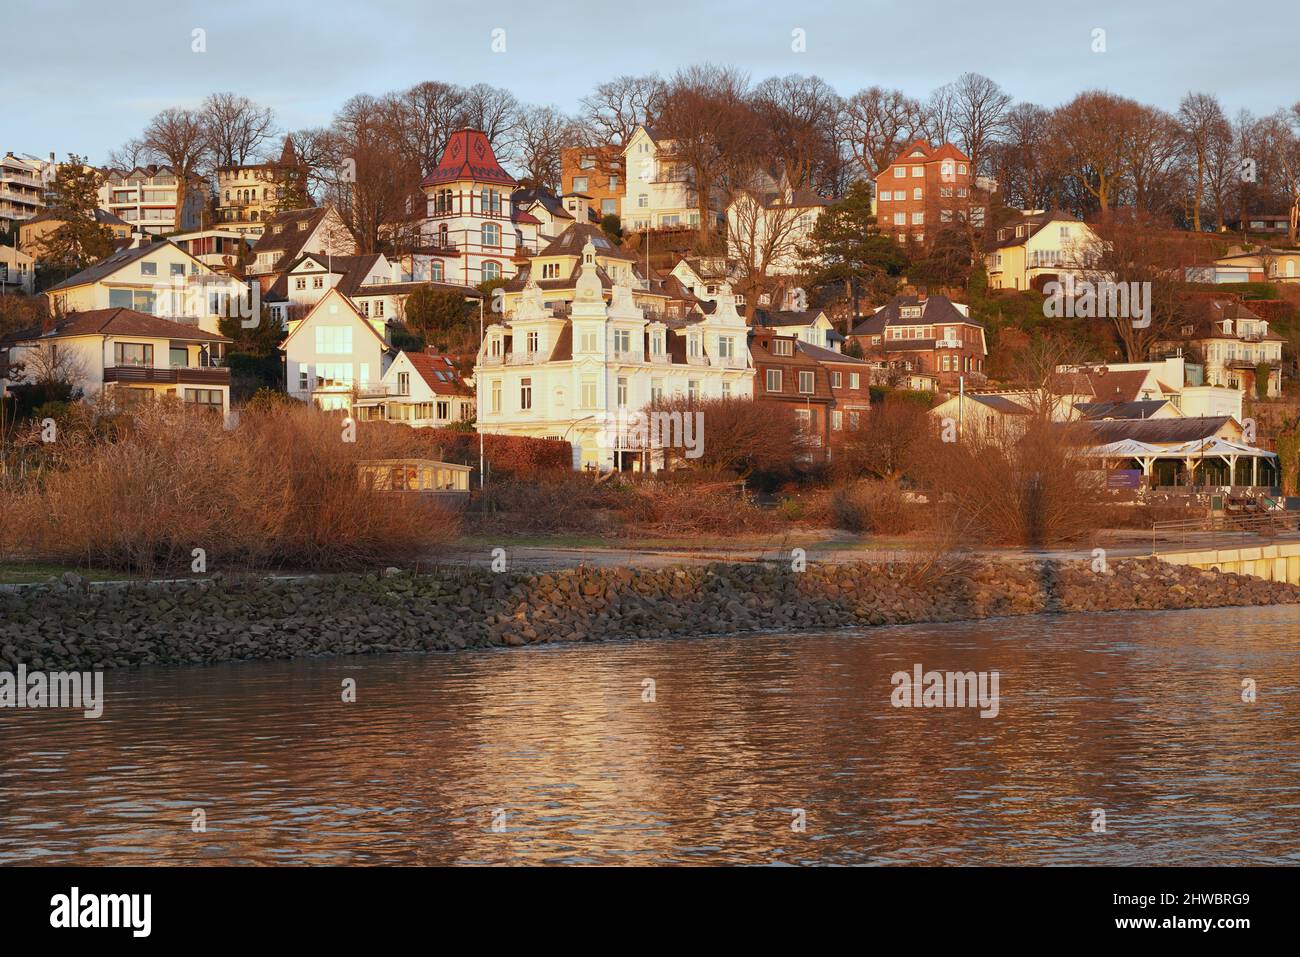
x=482, y=459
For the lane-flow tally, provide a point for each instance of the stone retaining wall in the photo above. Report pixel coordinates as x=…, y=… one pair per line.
x=69, y=623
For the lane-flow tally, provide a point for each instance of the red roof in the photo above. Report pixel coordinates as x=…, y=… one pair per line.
x=428, y=368
x=932, y=154
x=468, y=156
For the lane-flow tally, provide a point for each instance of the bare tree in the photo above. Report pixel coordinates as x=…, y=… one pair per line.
x=1091, y=131
x=765, y=236
x=712, y=132
x=800, y=114
x=128, y=156
x=878, y=124
x=939, y=115
x=979, y=113
x=235, y=127
x=495, y=111
x=1202, y=121
x=544, y=132
x=430, y=112
x=179, y=138
x=1152, y=150
x=1022, y=161
x=612, y=112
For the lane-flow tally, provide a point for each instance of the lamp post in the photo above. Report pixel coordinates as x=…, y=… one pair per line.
x=482, y=459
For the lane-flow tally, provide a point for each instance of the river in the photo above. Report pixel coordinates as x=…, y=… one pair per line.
x=773, y=749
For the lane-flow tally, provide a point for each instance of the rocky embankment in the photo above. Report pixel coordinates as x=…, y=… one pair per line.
x=67, y=623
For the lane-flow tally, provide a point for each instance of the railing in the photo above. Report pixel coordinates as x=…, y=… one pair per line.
x=1224, y=530
x=205, y=375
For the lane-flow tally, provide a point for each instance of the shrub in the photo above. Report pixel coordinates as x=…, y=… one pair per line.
x=280, y=491
x=878, y=508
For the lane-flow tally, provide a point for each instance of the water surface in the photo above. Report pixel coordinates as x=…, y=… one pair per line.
x=551, y=754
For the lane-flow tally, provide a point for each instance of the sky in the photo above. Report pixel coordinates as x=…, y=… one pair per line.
x=89, y=75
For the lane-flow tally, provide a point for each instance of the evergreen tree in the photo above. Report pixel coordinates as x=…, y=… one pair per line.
x=847, y=250
x=79, y=240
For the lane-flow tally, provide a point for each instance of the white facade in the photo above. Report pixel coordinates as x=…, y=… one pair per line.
x=334, y=354
x=17, y=271
x=766, y=233
x=160, y=279
x=570, y=377
x=659, y=192
x=419, y=390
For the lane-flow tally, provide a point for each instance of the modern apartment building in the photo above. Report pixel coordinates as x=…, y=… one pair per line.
x=145, y=197
x=23, y=182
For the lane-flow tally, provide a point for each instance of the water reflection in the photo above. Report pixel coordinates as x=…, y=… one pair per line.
x=1139, y=714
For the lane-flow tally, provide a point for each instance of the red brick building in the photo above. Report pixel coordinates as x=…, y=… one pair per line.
x=925, y=189
x=827, y=391
x=930, y=334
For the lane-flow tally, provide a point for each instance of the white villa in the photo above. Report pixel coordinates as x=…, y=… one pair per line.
x=660, y=193
x=569, y=376
x=126, y=354
x=158, y=278
x=474, y=230
x=335, y=354
x=420, y=389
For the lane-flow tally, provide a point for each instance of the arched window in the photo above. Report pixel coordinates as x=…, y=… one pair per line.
x=435, y=270
x=491, y=270
x=491, y=234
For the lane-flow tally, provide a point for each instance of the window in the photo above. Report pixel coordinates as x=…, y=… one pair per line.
x=204, y=398
x=587, y=342
x=726, y=347
x=837, y=420
x=900, y=219
x=961, y=168
x=300, y=284
x=613, y=183
x=900, y=172
x=133, y=354
x=945, y=215
x=918, y=218
x=693, y=389
x=588, y=392
x=579, y=184
x=443, y=409
x=726, y=390
x=534, y=339
x=525, y=394
x=379, y=308
x=496, y=395
x=773, y=380
x=622, y=391
x=318, y=282
x=945, y=192
x=491, y=270
x=854, y=380
x=435, y=270
x=148, y=269
x=643, y=201
x=303, y=379
x=490, y=200
x=403, y=383
x=622, y=341
x=491, y=234
x=609, y=207
x=803, y=417
x=837, y=380
x=550, y=270
x=782, y=347
x=918, y=172
x=177, y=269
x=334, y=340
x=916, y=193
x=853, y=420
x=806, y=383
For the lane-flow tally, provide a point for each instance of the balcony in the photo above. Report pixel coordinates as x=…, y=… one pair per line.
x=176, y=375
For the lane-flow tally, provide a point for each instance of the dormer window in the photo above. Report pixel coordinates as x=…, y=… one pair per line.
x=534, y=341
